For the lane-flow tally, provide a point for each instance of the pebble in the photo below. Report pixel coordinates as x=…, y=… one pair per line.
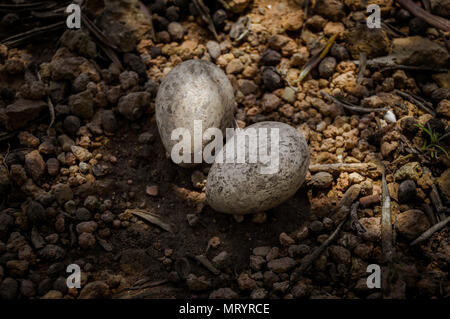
x=234, y=66
x=289, y=95
x=82, y=154
x=109, y=121
x=412, y=223
x=213, y=49
x=281, y=265
x=176, y=31
x=321, y=180
x=52, y=166
x=132, y=105
x=35, y=165
x=95, y=290
x=327, y=67
x=286, y=240
x=222, y=260
x=270, y=58
x=271, y=79
x=197, y=283
x=86, y=240
x=62, y=193
x=407, y=191
x=8, y=289
x=82, y=104
x=36, y=213
x=223, y=293
x=270, y=102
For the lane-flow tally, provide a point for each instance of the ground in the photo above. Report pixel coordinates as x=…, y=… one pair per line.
x=70, y=182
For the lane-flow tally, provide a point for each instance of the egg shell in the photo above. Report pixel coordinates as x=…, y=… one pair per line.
x=193, y=90
x=241, y=188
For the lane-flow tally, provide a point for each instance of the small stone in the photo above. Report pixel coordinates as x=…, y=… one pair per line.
x=270, y=102
x=82, y=105
x=270, y=57
x=412, y=223
x=71, y=124
x=198, y=179
x=261, y=251
x=234, y=66
x=412, y=170
x=82, y=154
x=17, y=268
x=223, y=293
x=286, y=240
x=197, y=283
x=316, y=227
x=271, y=79
x=298, y=250
x=109, y=121
x=86, y=240
x=289, y=95
x=36, y=213
x=62, y=193
x=8, y=289
x=95, y=290
x=327, y=67
x=146, y=138
x=407, y=191
x=340, y=254
x=222, y=260
x=246, y=283
x=355, y=178
x=281, y=265
x=52, y=166
x=257, y=262
x=444, y=184
x=176, y=31
x=152, y=190
x=373, y=229
x=132, y=105
x=35, y=165
x=52, y=252
x=259, y=293
x=213, y=49
x=87, y=227
x=321, y=180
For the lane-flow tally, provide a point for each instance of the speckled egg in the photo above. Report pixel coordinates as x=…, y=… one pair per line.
x=193, y=90
x=243, y=188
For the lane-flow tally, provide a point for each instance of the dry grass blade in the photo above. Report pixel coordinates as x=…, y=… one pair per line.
x=22, y=37
x=431, y=231
x=308, y=260
x=362, y=67
x=206, y=17
x=386, y=223
x=344, y=167
x=431, y=19
x=97, y=32
x=355, y=224
x=151, y=218
x=437, y=202
x=148, y=14
x=204, y=261
x=351, y=107
x=314, y=61
x=416, y=101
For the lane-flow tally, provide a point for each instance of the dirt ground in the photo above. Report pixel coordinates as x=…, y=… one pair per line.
x=67, y=191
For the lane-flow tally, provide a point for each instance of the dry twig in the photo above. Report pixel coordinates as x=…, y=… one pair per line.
x=431, y=231
x=431, y=19
x=308, y=260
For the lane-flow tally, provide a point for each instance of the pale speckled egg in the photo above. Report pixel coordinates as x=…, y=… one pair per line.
x=243, y=188
x=193, y=90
